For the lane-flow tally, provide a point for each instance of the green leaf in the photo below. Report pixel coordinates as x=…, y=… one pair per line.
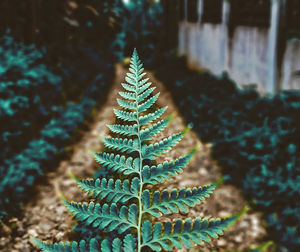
x=147, y=104
x=121, y=144
x=117, y=245
x=152, y=150
x=126, y=116
x=128, y=87
x=144, y=95
x=126, y=130
x=128, y=95
x=158, y=174
x=130, y=243
x=142, y=82
x=167, y=202
x=118, y=163
x=185, y=233
x=82, y=246
x=147, y=133
x=262, y=247
x=152, y=116
x=142, y=88
x=126, y=104
x=112, y=190
x=105, y=217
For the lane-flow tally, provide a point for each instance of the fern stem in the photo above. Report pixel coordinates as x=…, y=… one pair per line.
x=139, y=235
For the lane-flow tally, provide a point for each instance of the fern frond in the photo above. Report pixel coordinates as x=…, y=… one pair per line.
x=158, y=174
x=112, y=190
x=126, y=104
x=82, y=246
x=128, y=95
x=167, y=202
x=117, y=245
x=152, y=150
x=186, y=232
x=121, y=144
x=152, y=116
x=118, y=163
x=128, y=87
x=144, y=95
x=147, y=133
x=130, y=243
x=142, y=82
x=122, y=216
x=126, y=116
x=105, y=217
x=147, y=104
x=144, y=87
x=125, y=130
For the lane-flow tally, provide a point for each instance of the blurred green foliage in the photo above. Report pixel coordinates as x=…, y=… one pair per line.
x=142, y=27
x=256, y=140
x=29, y=93
x=23, y=169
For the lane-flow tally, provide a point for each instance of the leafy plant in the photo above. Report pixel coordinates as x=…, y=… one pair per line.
x=130, y=204
x=142, y=24
x=25, y=101
x=20, y=172
x=255, y=140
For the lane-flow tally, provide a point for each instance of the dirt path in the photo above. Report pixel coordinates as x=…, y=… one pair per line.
x=46, y=218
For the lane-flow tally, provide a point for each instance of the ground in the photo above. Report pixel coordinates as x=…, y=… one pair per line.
x=45, y=216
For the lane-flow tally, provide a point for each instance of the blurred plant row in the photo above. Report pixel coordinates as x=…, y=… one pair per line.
x=256, y=140
x=37, y=117
x=55, y=66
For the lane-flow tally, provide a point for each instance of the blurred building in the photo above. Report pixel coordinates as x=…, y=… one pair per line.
x=255, y=41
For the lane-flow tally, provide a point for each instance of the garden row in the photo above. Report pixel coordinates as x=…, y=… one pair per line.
x=256, y=140
x=40, y=111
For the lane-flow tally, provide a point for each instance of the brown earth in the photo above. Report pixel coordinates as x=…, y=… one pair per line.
x=46, y=217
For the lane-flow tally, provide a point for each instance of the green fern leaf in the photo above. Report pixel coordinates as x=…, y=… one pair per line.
x=128, y=95
x=147, y=104
x=167, y=202
x=67, y=246
x=128, y=87
x=121, y=144
x=117, y=245
x=144, y=81
x=142, y=88
x=126, y=130
x=112, y=190
x=144, y=95
x=183, y=233
x=153, y=150
x=152, y=116
x=158, y=174
x=130, y=243
x=105, y=217
x=147, y=133
x=126, y=104
x=126, y=116
x=118, y=163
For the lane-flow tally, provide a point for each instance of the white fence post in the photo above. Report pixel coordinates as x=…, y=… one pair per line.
x=200, y=11
x=224, y=37
x=272, y=47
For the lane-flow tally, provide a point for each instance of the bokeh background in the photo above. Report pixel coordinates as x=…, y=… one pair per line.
x=232, y=68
